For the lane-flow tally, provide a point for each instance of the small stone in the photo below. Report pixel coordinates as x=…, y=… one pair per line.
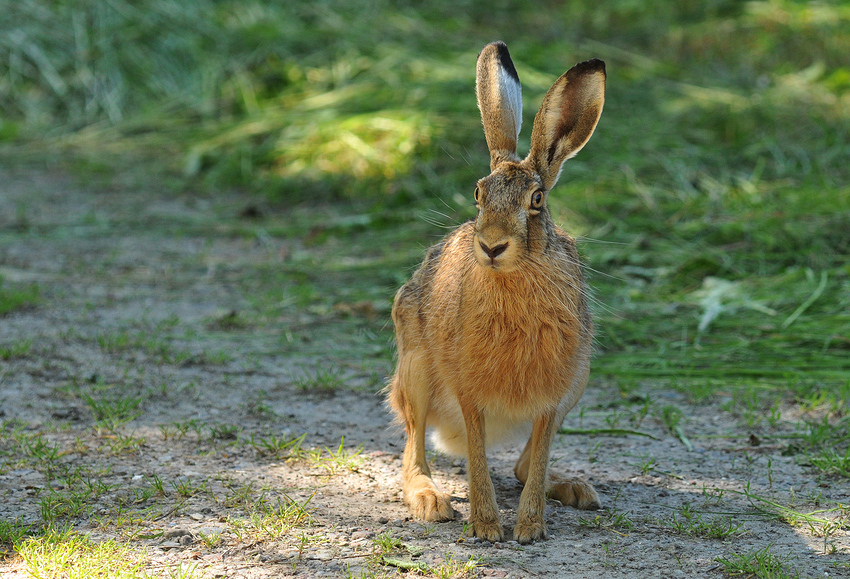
x=362, y=535
x=170, y=545
x=186, y=540
x=175, y=533
x=322, y=555
x=196, y=517
x=398, y=523
x=383, y=520
x=458, y=470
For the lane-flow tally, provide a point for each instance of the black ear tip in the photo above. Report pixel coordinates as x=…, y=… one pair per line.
x=592, y=65
x=503, y=57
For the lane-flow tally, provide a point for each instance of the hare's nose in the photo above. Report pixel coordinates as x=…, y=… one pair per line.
x=493, y=252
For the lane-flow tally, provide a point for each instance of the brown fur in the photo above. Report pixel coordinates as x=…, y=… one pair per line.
x=489, y=345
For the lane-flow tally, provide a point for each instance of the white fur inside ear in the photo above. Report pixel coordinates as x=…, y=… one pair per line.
x=511, y=92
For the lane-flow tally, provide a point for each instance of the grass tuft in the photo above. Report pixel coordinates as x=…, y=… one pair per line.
x=17, y=298
x=757, y=563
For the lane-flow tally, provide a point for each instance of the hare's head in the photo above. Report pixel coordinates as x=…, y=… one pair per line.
x=513, y=218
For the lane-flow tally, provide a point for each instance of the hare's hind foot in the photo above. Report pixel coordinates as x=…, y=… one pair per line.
x=574, y=493
x=425, y=502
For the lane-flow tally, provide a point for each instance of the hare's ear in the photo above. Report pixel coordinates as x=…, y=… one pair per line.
x=567, y=118
x=500, y=101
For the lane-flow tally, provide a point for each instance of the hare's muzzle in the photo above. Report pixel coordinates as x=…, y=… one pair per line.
x=496, y=254
x=493, y=252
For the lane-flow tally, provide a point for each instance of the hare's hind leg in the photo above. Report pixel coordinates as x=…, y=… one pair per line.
x=409, y=397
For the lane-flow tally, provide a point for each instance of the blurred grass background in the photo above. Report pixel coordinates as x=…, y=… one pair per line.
x=712, y=201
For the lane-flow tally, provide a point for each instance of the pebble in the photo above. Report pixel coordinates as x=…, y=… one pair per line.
x=170, y=545
x=398, y=523
x=383, y=520
x=196, y=517
x=362, y=535
x=174, y=533
x=322, y=556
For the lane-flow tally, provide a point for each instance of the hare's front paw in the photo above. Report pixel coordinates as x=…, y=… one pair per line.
x=575, y=493
x=429, y=504
x=527, y=531
x=487, y=530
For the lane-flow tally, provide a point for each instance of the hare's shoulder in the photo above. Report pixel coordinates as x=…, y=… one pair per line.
x=415, y=291
x=565, y=244
x=565, y=240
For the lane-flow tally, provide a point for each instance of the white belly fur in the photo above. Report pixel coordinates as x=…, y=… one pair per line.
x=449, y=431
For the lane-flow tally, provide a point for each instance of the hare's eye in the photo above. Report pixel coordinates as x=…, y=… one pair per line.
x=537, y=200
x=475, y=195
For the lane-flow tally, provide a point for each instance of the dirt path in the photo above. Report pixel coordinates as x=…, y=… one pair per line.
x=168, y=369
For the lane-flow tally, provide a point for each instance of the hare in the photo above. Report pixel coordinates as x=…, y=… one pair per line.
x=494, y=333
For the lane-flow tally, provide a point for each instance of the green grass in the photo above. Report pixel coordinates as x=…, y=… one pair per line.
x=72, y=555
x=322, y=381
x=16, y=350
x=11, y=533
x=17, y=297
x=760, y=563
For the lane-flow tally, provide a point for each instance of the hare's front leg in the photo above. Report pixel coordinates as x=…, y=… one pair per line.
x=531, y=470
x=409, y=395
x=483, y=514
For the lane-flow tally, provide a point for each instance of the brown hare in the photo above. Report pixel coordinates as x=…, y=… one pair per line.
x=494, y=333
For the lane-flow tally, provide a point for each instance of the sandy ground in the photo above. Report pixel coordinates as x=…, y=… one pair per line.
x=145, y=266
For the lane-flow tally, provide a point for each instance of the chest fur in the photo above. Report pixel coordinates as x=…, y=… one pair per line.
x=507, y=343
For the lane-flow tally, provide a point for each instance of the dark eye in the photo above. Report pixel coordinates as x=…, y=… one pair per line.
x=537, y=200
x=475, y=195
